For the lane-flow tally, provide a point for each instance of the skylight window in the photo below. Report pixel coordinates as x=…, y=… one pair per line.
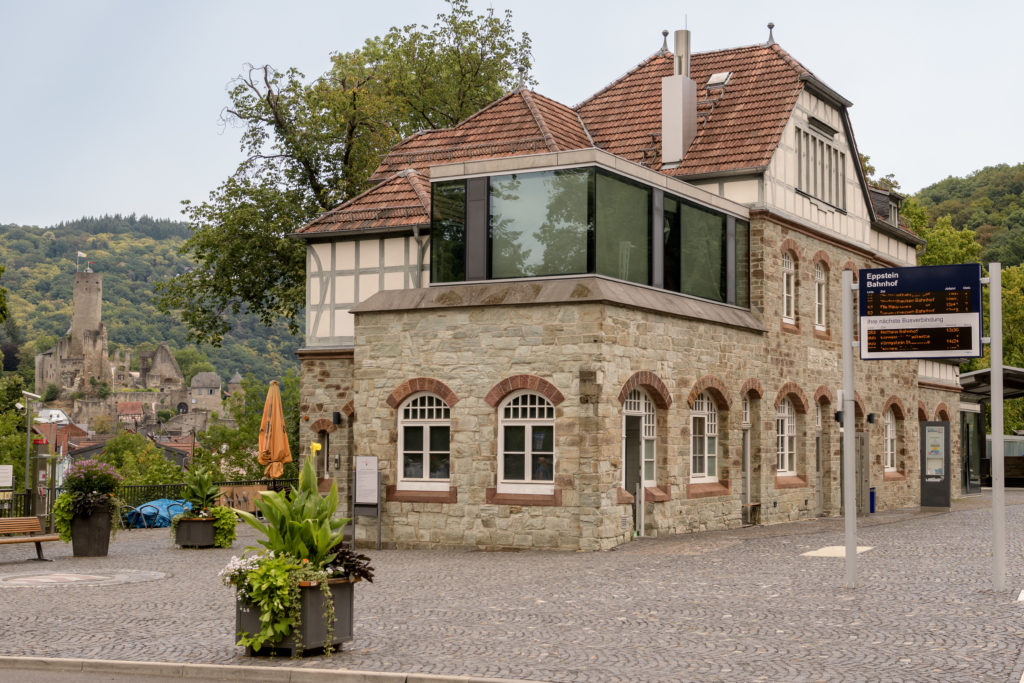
x=719, y=80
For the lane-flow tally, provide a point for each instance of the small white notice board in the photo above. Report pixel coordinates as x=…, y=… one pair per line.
x=6, y=476
x=366, y=500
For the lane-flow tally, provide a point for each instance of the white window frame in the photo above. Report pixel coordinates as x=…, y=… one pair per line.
x=639, y=403
x=425, y=411
x=820, y=297
x=527, y=409
x=889, y=440
x=788, y=288
x=704, y=439
x=746, y=411
x=785, y=438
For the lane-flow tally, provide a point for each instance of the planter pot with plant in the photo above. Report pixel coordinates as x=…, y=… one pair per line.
x=86, y=513
x=204, y=524
x=297, y=593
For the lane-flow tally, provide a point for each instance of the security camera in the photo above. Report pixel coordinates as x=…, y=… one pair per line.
x=19, y=406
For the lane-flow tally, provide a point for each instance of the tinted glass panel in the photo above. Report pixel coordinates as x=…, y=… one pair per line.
x=413, y=437
x=515, y=466
x=623, y=229
x=439, y=438
x=703, y=249
x=672, y=231
x=539, y=223
x=542, y=468
x=413, y=466
x=543, y=439
x=448, y=232
x=742, y=263
x=515, y=439
x=439, y=466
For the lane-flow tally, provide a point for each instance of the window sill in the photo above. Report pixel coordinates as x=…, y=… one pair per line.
x=493, y=497
x=708, y=490
x=657, y=494
x=791, y=328
x=790, y=481
x=623, y=497
x=823, y=334
x=393, y=495
x=894, y=475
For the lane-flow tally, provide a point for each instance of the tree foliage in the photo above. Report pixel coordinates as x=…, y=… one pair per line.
x=948, y=245
x=309, y=145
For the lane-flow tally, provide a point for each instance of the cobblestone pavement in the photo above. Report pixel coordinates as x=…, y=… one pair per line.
x=721, y=606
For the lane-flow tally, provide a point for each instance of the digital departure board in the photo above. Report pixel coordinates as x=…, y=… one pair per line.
x=922, y=312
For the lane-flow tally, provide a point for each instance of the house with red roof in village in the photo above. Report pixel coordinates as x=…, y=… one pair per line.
x=564, y=326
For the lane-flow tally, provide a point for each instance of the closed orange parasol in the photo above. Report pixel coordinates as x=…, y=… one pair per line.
x=274, y=450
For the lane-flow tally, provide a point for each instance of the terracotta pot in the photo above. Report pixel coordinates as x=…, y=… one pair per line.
x=195, y=533
x=90, y=536
x=313, y=630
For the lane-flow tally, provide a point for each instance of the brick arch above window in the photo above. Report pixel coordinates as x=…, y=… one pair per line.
x=792, y=247
x=322, y=425
x=752, y=386
x=418, y=384
x=657, y=390
x=897, y=407
x=349, y=409
x=715, y=388
x=528, y=382
x=824, y=395
x=851, y=266
x=796, y=396
x=858, y=405
x=922, y=411
x=822, y=257
x=942, y=413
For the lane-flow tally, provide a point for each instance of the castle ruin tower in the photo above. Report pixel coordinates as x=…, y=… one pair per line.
x=86, y=309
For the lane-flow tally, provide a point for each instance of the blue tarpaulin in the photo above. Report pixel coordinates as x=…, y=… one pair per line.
x=156, y=513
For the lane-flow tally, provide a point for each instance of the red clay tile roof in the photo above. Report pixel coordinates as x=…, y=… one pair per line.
x=129, y=408
x=521, y=122
x=741, y=128
x=401, y=200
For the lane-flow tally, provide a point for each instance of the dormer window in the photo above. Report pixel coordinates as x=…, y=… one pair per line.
x=894, y=213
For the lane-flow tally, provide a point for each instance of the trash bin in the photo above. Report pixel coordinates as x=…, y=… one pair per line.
x=871, y=499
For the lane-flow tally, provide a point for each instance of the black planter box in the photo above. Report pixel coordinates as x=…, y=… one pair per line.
x=90, y=536
x=195, y=533
x=313, y=629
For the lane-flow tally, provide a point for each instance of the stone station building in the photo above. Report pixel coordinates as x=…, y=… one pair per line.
x=560, y=327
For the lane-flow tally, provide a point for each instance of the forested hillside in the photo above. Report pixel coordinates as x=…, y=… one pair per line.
x=990, y=202
x=133, y=254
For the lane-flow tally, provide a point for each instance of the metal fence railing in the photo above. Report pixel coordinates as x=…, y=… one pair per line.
x=15, y=504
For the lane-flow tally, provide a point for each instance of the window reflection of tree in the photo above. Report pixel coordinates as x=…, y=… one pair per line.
x=448, y=229
x=564, y=232
x=508, y=257
x=704, y=246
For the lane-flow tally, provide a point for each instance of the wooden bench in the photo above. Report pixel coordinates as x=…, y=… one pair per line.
x=25, y=525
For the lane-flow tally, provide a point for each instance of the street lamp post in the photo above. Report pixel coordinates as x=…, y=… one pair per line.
x=29, y=500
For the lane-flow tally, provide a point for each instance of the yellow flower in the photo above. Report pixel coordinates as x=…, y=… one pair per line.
x=314, y=447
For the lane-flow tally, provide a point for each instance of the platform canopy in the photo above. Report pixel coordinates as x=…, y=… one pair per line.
x=977, y=385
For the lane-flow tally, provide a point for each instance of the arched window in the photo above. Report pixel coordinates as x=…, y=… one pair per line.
x=788, y=289
x=704, y=439
x=424, y=438
x=526, y=444
x=785, y=437
x=639, y=404
x=820, y=297
x=890, y=440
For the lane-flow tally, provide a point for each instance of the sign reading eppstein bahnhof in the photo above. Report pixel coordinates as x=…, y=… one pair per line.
x=921, y=312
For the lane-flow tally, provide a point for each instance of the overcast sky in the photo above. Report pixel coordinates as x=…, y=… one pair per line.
x=111, y=106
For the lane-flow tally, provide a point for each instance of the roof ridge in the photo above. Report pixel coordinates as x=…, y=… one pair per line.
x=409, y=174
x=548, y=138
x=611, y=85
x=790, y=60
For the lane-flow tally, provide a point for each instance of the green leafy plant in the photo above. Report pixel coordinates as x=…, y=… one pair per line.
x=302, y=547
x=200, y=489
x=63, y=513
x=89, y=487
x=201, y=494
x=224, y=523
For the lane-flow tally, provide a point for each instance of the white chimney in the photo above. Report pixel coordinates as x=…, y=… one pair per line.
x=678, y=105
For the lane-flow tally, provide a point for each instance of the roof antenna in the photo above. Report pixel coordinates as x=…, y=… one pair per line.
x=664, y=43
x=771, y=36
x=522, y=78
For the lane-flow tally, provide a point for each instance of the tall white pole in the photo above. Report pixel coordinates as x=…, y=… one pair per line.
x=848, y=408
x=995, y=306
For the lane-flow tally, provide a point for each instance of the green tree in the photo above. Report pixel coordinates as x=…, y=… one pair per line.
x=139, y=461
x=948, y=245
x=311, y=145
x=192, y=361
x=3, y=299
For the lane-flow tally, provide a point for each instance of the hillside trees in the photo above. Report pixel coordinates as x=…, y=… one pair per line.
x=309, y=145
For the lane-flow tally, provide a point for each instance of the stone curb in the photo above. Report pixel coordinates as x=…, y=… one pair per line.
x=229, y=673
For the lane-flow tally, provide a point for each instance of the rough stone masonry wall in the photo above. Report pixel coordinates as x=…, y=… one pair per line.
x=326, y=388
